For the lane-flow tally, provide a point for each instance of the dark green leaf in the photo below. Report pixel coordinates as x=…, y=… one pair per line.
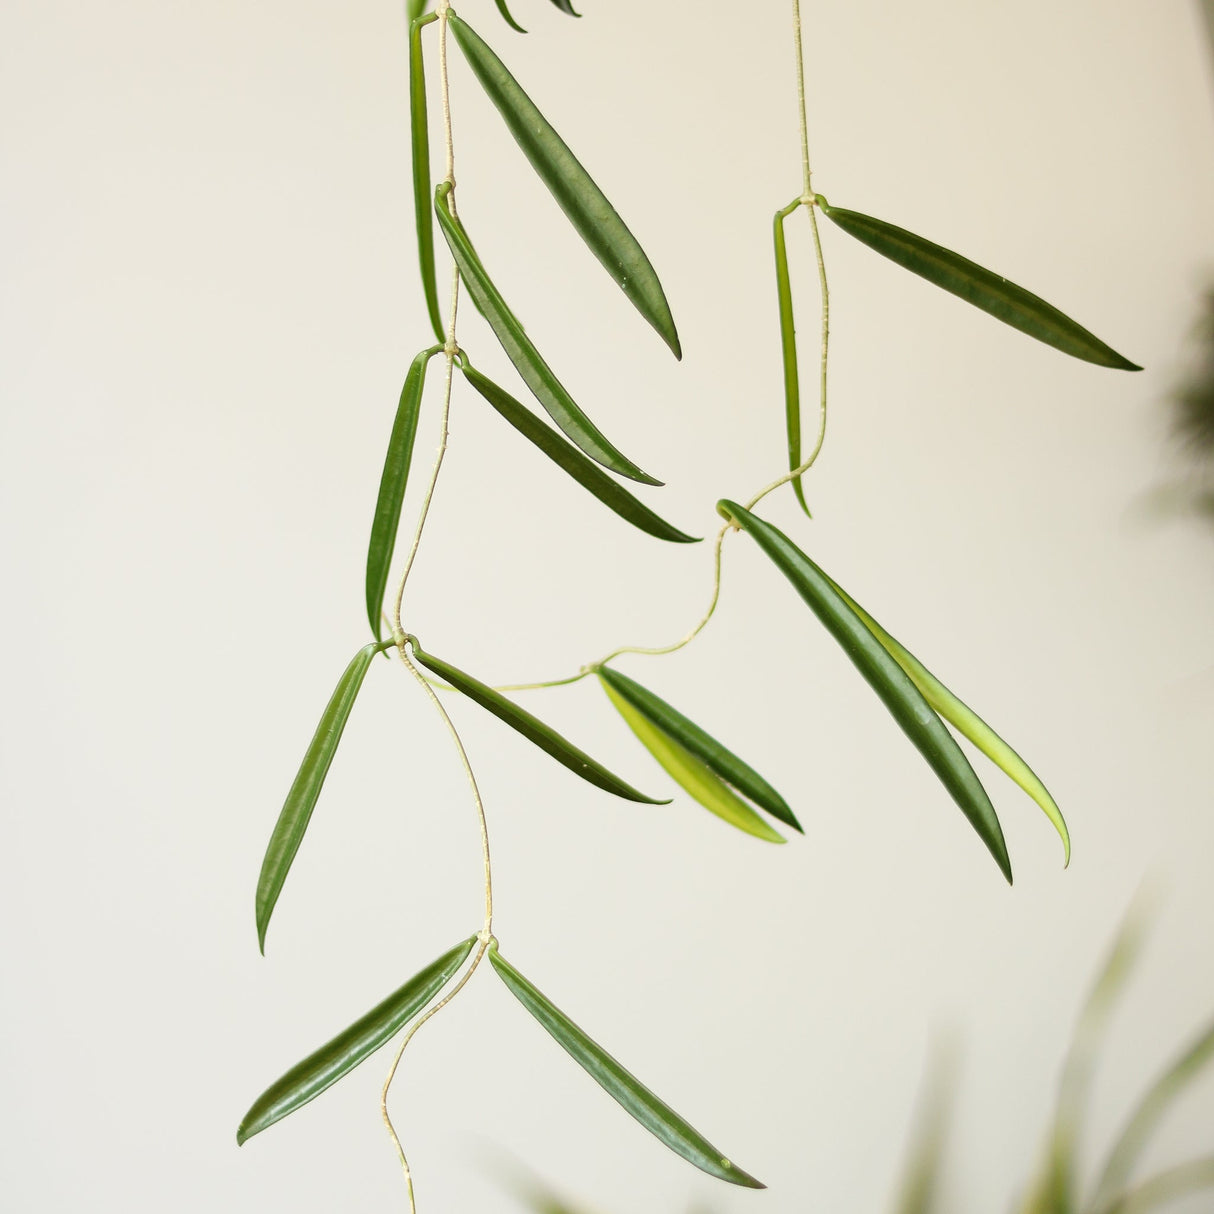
x=788, y=353
x=706, y=748
x=636, y=1099
x=392, y=487
x=337, y=1058
x=536, y=373
x=891, y=683
x=690, y=773
x=1002, y=299
x=505, y=12
x=1159, y=1098
x=594, y=218
x=565, y=455
x=968, y=723
x=420, y=143
x=532, y=728
x=566, y=7
x=301, y=800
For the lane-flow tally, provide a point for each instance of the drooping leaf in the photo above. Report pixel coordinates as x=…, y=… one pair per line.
x=891, y=683
x=301, y=800
x=1158, y=1099
x=420, y=151
x=566, y=7
x=337, y=1058
x=594, y=218
x=535, y=372
x=1167, y=1186
x=565, y=455
x=968, y=723
x=703, y=746
x=691, y=773
x=392, y=486
x=788, y=354
x=532, y=728
x=505, y=12
x=636, y=1099
x=1002, y=299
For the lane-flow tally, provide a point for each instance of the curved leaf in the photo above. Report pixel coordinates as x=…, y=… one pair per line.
x=565, y=455
x=585, y=205
x=703, y=746
x=788, y=354
x=337, y=1058
x=1002, y=299
x=392, y=485
x=1151, y=1108
x=420, y=150
x=532, y=728
x=690, y=773
x=891, y=683
x=968, y=723
x=301, y=800
x=535, y=372
x=505, y=12
x=632, y=1095
x=566, y=7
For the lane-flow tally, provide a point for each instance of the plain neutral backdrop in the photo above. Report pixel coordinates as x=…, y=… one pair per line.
x=209, y=298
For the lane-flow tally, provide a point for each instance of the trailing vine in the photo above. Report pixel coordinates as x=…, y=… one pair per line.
x=706, y=769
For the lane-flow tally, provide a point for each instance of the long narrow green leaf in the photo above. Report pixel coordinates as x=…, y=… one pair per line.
x=535, y=372
x=585, y=205
x=1158, y=1099
x=566, y=7
x=420, y=150
x=337, y=1058
x=532, y=728
x=565, y=455
x=891, y=683
x=509, y=20
x=1175, y=1182
x=788, y=353
x=968, y=723
x=392, y=486
x=689, y=772
x=1002, y=299
x=301, y=800
x=720, y=760
x=632, y=1095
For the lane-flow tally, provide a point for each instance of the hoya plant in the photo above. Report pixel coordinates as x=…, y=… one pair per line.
x=548, y=423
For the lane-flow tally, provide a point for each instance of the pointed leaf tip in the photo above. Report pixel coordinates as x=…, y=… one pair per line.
x=628, y=1091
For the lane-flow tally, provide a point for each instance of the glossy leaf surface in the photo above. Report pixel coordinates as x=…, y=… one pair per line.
x=633, y=1096
x=565, y=455
x=509, y=20
x=720, y=760
x=337, y=1058
x=891, y=683
x=788, y=354
x=968, y=723
x=1002, y=299
x=392, y=485
x=532, y=728
x=691, y=773
x=301, y=800
x=566, y=7
x=419, y=130
x=587, y=208
x=1158, y=1099
x=535, y=372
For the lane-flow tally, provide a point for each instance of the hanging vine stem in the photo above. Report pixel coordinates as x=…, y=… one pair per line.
x=402, y=640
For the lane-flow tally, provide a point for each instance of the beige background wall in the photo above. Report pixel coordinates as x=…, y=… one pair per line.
x=209, y=300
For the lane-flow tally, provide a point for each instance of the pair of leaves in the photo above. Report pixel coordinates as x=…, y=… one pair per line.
x=337, y=1058
x=563, y=5
x=697, y=761
x=632, y=1095
x=892, y=684
x=565, y=455
x=297, y=810
x=531, y=727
